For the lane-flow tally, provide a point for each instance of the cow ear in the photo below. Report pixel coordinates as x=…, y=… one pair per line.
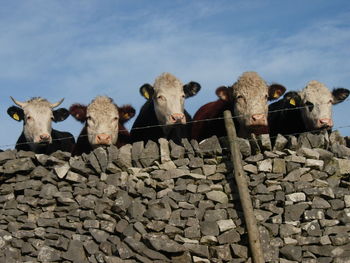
x=147, y=91
x=60, y=114
x=191, y=89
x=276, y=91
x=126, y=112
x=15, y=113
x=223, y=93
x=339, y=95
x=78, y=111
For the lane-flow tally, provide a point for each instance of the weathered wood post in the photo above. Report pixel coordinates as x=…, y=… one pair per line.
x=250, y=220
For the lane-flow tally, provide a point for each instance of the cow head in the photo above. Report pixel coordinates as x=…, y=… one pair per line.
x=250, y=95
x=168, y=95
x=37, y=115
x=102, y=118
x=318, y=101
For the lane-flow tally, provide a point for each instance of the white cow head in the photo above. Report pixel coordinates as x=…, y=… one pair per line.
x=103, y=119
x=37, y=115
x=168, y=95
x=318, y=101
x=250, y=95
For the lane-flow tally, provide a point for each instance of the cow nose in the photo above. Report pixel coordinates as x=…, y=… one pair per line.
x=45, y=137
x=103, y=138
x=259, y=119
x=177, y=118
x=325, y=122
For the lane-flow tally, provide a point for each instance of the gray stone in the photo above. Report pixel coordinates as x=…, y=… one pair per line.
x=75, y=252
x=176, y=151
x=209, y=228
x=265, y=142
x=279, y=166
x=217, y=196
x=102, y=158
x=265, y=166
x=140, y=248
x=136, y=151
x=158, y=211
x=18, y=165
x=295, y=175
x=210, y=146
x=7, y=155
x=280, y=143
x=244, y=147
x=75, y=177
x=47, y=254
x=294, y=212
x=163, y=243
x=240, y=251
x=123, y=160
x=149, y=154
x=292, y=252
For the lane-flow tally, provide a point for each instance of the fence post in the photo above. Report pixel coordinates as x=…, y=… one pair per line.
x=242, y=185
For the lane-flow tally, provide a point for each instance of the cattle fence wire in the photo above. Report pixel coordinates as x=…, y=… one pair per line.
x=197, y=121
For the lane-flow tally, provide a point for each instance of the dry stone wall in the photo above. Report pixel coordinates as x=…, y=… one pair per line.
x=162, y=202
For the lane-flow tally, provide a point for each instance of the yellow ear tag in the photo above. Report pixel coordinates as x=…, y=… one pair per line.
x=126, y=116
x=276, y=95
x=292, y=102
x=15, y=116
x=146, y=94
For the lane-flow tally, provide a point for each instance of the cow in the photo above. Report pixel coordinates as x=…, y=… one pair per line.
x=104, y=124
x=308, y=110
x=285, y=115
x=163, y=114
x=38, y=136
x=247, y=99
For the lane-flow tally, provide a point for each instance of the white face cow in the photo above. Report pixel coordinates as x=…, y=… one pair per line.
x=37, y=115
x=168, y=95
x=318, y=101
x=103, y=118
x=250, y=95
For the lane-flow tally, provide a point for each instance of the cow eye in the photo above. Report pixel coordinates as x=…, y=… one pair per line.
x=88, y=118
x=29, y=117
x=160, y=97
x=309, y=105
x=116, y=118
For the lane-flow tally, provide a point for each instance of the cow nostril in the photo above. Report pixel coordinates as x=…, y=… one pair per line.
x=44, y=137
x=177, y=117
x=103, y=138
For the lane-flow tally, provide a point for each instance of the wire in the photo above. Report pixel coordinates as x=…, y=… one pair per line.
x=190, y=122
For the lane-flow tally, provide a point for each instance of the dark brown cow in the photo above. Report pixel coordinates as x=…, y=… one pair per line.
x=104, y=124
x=247, y=99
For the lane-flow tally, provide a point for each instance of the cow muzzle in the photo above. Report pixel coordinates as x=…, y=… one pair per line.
x=258, y=120
x=103, y=139
x=44, y=138
x=177, y=118
x=325, y=123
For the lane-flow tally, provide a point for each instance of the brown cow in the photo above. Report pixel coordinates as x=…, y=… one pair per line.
x=104, y=124
x=247, y=99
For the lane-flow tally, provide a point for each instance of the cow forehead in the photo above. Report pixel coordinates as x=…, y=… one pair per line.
x=102, y=106
x=316, y=92
x=168, y=83
x=249, y=85
x=37, y=105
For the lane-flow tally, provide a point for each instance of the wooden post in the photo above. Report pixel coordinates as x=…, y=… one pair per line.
x=250, y=220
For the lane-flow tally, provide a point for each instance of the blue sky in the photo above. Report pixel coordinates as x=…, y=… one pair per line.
x=80, y=49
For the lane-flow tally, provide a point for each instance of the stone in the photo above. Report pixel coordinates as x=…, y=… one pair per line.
x=265, y=142
x=18, y=165
x=164, y=150
x=279, y=166
x=244, y=147
x=265, y=166
x=210, y=146
x=75, y=252
x=292, y=252
x=280, y=143
x=123, y=160
x=225, y=225
x=314, y=163
x=158, y=211
x=75, y=177
x=342, y=166
x=48, y=254
x=149, y=154
x=102, y=158
x=163, y=243
x=136, y=151
x=217, y=196
x=296, y=197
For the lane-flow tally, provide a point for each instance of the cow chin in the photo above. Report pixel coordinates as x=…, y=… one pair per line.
x=258, y=129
